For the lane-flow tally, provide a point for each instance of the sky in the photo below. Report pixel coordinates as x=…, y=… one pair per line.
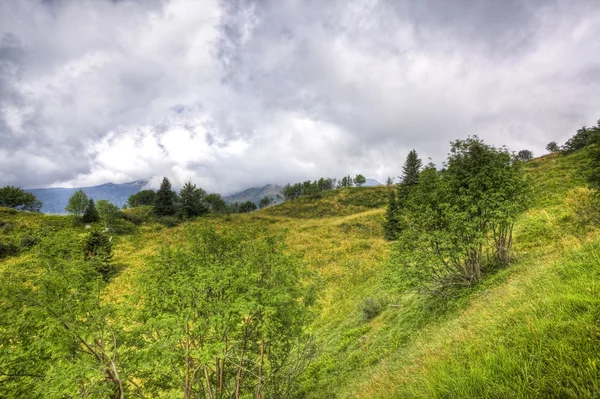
x=238, y=93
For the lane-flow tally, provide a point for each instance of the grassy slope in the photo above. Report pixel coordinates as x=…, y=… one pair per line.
x=529, y=330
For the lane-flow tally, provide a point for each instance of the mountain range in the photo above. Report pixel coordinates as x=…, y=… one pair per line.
x=55, y=199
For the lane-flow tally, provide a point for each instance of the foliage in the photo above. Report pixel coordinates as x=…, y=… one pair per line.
x=165, y=199
x=247, y=206
x=266, y=201
x=394, y=222
x=77, y=203
x=107, y=211
x=370, y=308
x=359, y=180
x=98, y=250
x=307, y=188
x=8, y=248
x=169, y=221
x=144, y=197
x=411, y=169
x=524, y=155
x=391, y=218
x=192, y=201
x=216, y=203
x=450, y=216
x=17, y=198
x=222, y=317
x=552, y=147
x=55, y=338
x=345, y=182
x=592, y=170
x=234, y=207
x=583, y=137
x=90, y=214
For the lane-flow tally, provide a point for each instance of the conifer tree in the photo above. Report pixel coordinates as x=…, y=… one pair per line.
x=410, y=176
x=90, y=215
x=165, y=199
x=192, y=201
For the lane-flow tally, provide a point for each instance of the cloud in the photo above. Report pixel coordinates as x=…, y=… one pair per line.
x=239, y=93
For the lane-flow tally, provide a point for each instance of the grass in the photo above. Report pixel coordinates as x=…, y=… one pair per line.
x=529, y=330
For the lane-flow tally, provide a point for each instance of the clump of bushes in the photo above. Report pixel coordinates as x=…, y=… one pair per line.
x=8, y=248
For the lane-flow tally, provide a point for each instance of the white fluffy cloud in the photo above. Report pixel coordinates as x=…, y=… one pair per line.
x=231, y=94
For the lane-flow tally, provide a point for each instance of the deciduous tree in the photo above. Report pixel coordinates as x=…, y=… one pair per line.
x=77, y=203
x=15, y=197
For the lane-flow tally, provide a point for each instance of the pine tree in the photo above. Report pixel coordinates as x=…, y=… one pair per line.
x=90, y=215
x=192, y=201
x=165, y=199
x=98, y=249
x=391, y=218
x=410, y=176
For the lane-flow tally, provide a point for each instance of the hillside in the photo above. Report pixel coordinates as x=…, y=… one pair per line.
x=55, y=199
x=529, y=330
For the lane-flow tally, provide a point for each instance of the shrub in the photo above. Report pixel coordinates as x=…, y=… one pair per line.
x=370, y=308
x=8, y=248
x=28, y=241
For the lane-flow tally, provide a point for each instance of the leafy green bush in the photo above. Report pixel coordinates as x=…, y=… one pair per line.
x=139, y=214
x=8, y=248
x=28, y=241
x=370, y=308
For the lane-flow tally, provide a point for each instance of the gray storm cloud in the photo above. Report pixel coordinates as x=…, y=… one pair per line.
x=233, y=94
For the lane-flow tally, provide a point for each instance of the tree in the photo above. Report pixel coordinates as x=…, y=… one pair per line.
x=164, y=204
x=224, y=315
x=389, y=182
x=359, y=180
x=216, y=203
x=391, y=221
x=266, y=201
x=552, y=147
x=410, y=177
x=580, y=140
x=411, y=169
x=107, y=211
x=77, y=203
x=98, y=249
x=524, y=155
x=17, y=198
x=144, y=197
x=234, y=207
x=452, y=215
x=191, y=201
x=90, y=214
x=57, y=332
x=345, y=182
x=247, y=206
